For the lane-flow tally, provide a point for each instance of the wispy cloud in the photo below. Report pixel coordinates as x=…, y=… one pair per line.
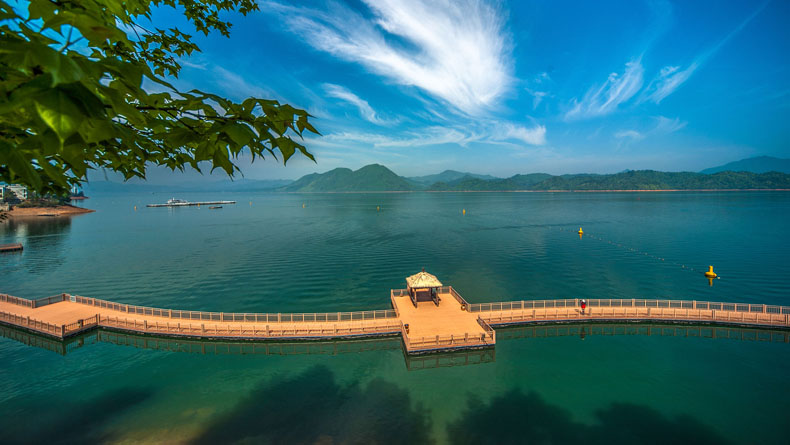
x=659, y=125
x=629, y=134
x=486, y=132
x=604, y=99
x=665, y=125
x=456, y=51
x=670, y=78
x=532, y=136
x=367, y=112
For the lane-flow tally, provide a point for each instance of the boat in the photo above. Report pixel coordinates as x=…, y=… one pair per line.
x=173, y=202
x=215, y=207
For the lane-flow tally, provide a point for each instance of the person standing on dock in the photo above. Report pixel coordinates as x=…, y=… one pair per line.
x=583, y=304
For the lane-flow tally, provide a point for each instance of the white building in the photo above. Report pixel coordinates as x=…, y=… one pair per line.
x=19, y=190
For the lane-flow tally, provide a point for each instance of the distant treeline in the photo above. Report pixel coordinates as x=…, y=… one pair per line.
x=631, y=180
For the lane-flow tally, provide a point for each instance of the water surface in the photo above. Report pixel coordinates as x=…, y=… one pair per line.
x=330, y=252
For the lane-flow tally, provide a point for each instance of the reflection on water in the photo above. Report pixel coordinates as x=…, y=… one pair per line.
x=70, y=420
x=662, y=330
x=413, y=362
x=44, y=240
x=313, y=407
x=449, y=359
x=515, y=417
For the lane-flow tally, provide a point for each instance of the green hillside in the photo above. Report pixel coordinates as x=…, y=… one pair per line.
x=370, y=178
x=631, y=180
x=448, y=176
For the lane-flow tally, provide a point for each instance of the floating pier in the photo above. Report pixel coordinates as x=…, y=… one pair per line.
x=438, y=320
x=188, y=204
x=15, y=247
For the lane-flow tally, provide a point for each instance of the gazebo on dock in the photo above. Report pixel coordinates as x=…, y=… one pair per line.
x=423, y=287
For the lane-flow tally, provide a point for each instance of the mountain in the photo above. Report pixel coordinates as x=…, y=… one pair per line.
x=467, y=183
x=370, y=178
x=447, y=176
x=631, y=180
x=759, y=164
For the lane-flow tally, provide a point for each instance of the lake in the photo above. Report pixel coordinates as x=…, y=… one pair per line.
x=274, y=252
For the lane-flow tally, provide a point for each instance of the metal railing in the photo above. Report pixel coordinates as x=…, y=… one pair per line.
x=634, y=302
x=32, y=324
x=252, y=330
x=16, y=300
x=428, y=342
x=637, y=309
x=237, y=317
x=32, y=303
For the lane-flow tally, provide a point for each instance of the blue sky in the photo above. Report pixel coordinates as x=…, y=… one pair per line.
x=512, y=87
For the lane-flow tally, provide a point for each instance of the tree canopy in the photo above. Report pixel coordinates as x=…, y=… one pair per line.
x=72, y=95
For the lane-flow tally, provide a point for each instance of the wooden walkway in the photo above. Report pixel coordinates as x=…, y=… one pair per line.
x=453, y=324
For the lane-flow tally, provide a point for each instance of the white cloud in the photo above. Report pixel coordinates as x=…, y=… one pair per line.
x=456, y=51
x=537, y=97
x=665, y=125
x=532, y=136
x=661, y=126
x=367, y=112
x=605, y=99
x=629, y=134
x=487, y=132
x=670, y=78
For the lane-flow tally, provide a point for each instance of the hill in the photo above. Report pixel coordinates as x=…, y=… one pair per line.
x=759, y=164
x=448, y=176
x=630, y=180
x=370, y=178
x=467, y=183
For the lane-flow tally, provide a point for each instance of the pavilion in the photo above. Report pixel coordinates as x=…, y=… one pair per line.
x=423, y=287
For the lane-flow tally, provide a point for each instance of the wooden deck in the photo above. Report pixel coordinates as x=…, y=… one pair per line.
x=452, y=325
x=444, y=327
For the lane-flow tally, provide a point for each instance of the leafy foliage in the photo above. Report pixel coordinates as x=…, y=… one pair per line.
x=72, y=96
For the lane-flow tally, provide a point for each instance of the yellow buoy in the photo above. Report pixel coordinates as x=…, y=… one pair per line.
x=135, y=208
x=710, y=273
x=464, y=212
x=378, y=208
x=304, y=205
x=581, y=231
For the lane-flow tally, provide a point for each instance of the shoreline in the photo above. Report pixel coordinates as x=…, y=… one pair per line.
x=537, y=191
x=62, y=210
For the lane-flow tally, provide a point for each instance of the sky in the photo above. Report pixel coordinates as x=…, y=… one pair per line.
x=503, y=88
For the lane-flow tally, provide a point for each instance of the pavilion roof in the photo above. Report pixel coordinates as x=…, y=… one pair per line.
x=423, y=280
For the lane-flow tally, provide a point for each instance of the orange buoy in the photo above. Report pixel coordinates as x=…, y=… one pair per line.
x=710, y=273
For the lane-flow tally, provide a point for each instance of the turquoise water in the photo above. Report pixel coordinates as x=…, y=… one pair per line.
x=268, y=253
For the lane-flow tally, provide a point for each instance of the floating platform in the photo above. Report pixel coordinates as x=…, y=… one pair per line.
x=451, y=325
x=188, y=204
x=15, y=247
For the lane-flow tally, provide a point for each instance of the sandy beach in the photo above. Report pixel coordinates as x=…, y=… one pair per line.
x=63, y=210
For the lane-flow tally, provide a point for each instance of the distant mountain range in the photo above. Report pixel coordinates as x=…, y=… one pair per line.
x=759, y=164
x=370, y=178
x=375, y=177
x=448, y=176
x=754, y=173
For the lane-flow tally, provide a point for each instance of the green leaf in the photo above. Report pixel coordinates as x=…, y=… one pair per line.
x=59, y=112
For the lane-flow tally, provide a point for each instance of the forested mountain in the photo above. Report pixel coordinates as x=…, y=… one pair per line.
x=759, y=164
